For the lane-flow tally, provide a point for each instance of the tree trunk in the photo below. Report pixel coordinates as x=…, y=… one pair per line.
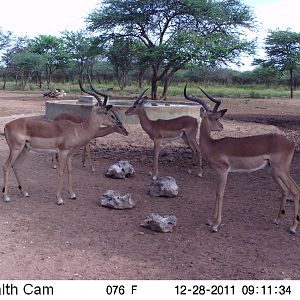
x=292, y=82
x=4, y=81
x=166, y=86
x=154, y=84
x=47, y=76
x=141, y=78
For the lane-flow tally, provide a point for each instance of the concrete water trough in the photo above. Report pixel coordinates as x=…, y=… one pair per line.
x=155, y=109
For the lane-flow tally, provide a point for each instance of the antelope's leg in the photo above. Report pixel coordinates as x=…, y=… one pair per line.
x=284, y=193
x=219, y=199
x=13, y=154
x=294, y=190
x=70, y=181
x=62, y=158
x=198, y=157
x=54, y=161
x=157, y=143
x=84, y=155
x=16, y=165
x=88, y=150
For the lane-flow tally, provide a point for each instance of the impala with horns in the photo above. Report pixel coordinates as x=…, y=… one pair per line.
x=185, y=127
x=102, y=131
x=247, y=154
x=63, y=137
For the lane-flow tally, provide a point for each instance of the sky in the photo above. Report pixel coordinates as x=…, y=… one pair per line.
x=33, y=17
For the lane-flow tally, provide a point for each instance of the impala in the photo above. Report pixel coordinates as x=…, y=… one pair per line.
x=185, y=127
x=248, y=154
x=63, y=137
x=102, y=131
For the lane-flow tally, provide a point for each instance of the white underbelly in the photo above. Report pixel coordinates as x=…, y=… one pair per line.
x=171, y=138
x=42, y=145
x=248, y=165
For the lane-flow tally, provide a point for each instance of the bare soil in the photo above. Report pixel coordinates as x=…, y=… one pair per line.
x=82, y=240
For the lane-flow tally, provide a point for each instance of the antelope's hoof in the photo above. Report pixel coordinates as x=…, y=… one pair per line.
x=6, y=199
x=54, y=167
x=215, y=228
x=189, y=171
x=208, y=223
x=276, y=222
x=26, y=194
x=72, y=195
x=292, y=231
x=60, y=202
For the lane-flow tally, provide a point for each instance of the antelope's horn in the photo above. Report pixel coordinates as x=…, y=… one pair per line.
x=140, y=96
x=217, y=102
x=195, y=99
x=90, y=93
x=105, y=96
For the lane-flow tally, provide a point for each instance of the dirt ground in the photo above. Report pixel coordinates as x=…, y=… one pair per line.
x=82, y=240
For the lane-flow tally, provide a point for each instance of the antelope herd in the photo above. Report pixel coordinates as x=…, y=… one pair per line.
x=66, y=134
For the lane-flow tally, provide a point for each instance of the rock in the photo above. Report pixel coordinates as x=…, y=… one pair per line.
x=163, y=187
x=120, y=170
x=113, y=199
x=159, y=223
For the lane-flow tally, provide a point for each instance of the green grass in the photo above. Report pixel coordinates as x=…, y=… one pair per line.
x=176, y=90
x=252, y=92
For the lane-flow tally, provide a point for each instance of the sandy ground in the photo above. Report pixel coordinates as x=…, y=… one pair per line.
x=82, y=240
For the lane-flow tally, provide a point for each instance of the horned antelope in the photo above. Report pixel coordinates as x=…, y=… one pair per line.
x=185, y=127
x=102, y=131
x=247, y=154
x=63, y=137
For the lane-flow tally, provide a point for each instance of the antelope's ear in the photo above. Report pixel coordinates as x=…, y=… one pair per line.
x=221, y=113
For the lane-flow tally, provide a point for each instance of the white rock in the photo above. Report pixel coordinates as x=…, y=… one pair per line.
x=163, y=187
x=113, y=199
x=120, y=170
x=159, y=223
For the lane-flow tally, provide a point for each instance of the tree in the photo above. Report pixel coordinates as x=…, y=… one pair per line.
x=176, y=32
x=5, y=39
x=121, y=56
x=82, y=49
x=13, y=46
x=53, y=50
x=282, y=49
x=28, y=64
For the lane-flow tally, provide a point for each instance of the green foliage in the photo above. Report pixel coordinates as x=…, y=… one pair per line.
x=174, y=33
x=5, y=39
x=283, y=49
x=283, y=53
x=53, y=51
x=82, y=48
x=122, y=56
